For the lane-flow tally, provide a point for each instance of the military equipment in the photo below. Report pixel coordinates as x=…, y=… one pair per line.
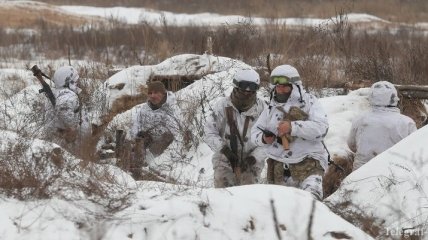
x=233, y=139
x=293, y=114
x=46, y=89
x=267, y=133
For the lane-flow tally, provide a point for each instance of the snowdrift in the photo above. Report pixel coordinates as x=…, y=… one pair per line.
x=392, y=187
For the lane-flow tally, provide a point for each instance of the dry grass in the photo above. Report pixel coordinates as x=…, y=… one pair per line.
x=27, y=16
x=394, y=10
x=325, y=57
x=358, y=217
x=334, y=176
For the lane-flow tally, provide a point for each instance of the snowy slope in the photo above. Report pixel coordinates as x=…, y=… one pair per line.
x=159, y=211
x=192, y=209
x=393, y=186
x=158, y=18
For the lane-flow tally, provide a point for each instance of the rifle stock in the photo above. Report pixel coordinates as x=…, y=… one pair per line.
x=285, y=143
x=45, y=87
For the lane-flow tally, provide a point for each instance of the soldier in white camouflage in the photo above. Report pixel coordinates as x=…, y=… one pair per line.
x=236, y=160
x=384, y=121
x=67, y=122
x=299, y=125
x=155, y=125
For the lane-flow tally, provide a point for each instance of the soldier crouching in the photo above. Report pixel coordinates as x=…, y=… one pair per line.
x=236, y=161
x=297, y=156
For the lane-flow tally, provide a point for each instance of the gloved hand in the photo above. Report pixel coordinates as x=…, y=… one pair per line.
x=146, y=136
x=232, y=157
x=247, y=163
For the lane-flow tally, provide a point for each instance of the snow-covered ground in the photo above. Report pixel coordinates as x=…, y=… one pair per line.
x=158, y=18
x=192, y=209
x=392, y=187
x=132, y=15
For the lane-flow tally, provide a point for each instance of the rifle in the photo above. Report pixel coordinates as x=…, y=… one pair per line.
x=270, y=175
x=267, y=133
x=234, y=134
x=45, y=87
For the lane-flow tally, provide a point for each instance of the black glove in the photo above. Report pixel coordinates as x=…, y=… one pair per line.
x=232, y=157
x=247, y=163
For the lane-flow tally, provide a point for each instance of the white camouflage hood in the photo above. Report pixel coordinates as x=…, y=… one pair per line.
x=383, y=94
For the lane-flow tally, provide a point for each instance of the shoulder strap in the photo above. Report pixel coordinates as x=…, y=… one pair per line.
x=233, y=141
x=234, y=132
x=247, y=122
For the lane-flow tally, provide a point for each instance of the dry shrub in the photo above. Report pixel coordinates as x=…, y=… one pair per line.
x=22, y=179
x=14, y=83
x=325, y=56
x=26, y=17
x=411, y=66
x=415, y=109
x=40, y=170
x=358, y=217
x=312, y=72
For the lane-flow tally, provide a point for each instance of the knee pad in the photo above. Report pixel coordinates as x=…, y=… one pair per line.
x=313, y=184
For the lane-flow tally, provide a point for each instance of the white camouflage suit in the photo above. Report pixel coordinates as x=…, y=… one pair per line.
x=216, y=136
x=380, y=128
x=162, y=124
x=67, y=122
x=308, y=135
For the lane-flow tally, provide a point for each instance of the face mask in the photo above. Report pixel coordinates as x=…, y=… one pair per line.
x=282, y=98
x=73, y=87
x=243, y=101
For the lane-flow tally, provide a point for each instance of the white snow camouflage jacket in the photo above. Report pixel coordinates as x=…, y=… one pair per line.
x=217, y=129
x=308, y=134
x=67, y=113
x=377, y=130
x=165, y=119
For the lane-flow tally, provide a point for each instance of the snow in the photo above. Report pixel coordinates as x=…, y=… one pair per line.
x=173, y=207
x=158, y=18
x=341, y=110
x=392, y=187
x=147, y=209
x=195, y=214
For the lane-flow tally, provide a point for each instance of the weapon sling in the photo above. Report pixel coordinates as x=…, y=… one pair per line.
x=234, y=136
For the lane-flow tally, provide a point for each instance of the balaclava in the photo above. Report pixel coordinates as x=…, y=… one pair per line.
x=243, y=101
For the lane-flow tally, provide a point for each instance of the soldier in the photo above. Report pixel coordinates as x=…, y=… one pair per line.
x=155, y=124
x=298, y=125
x=236, y=161
x=381, y=128
x=68, y=123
